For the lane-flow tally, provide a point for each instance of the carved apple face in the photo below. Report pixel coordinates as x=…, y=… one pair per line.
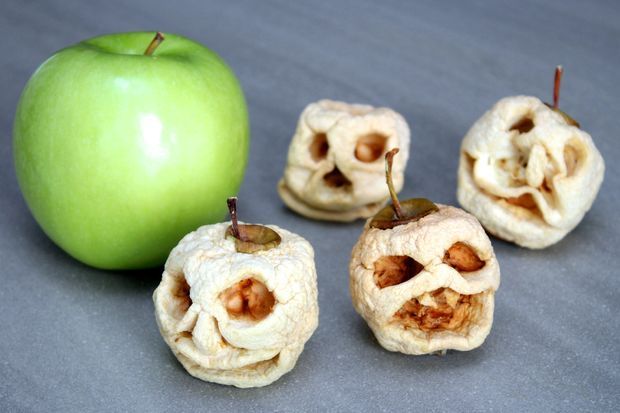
x=335, y=168
x=428, y=285
x=237, y=318
x=527, y=174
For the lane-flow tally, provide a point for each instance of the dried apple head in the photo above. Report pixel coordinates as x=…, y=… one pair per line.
x=425, y=281
x=237, y=302
x=334, y=169
x=528, y=172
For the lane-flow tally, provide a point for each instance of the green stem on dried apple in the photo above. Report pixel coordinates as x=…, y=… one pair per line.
x=389, y=157
x=556, y=86
x=232, y=209
x=159, y=37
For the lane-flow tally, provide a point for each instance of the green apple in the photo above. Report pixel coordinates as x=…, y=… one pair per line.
x=119, y=153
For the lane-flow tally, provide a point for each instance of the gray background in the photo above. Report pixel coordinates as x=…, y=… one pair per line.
x=78, y=339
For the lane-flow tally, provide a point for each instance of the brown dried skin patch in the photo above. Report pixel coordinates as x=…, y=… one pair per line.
x=248, y=299
x=451, y=311
x=370, y=147
x=523, y=125
x=336, y=179
x=463, y=258
x=395, y=269
x=319, y=147
x=253, y=238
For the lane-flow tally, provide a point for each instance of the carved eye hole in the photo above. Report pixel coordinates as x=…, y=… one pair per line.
x=248, y=299
x=370, y=147
x=395, y=269
x=180, y=296
x=319, y=147
x=523, y=125
x=462, y=257
x=571, y=158
x=179, y=304
x=336, y=179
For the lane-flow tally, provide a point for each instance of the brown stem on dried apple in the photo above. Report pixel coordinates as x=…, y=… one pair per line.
x=556, y=86
x=159, y=37
x=232, y=209
x=389, y=157
x=249, y=238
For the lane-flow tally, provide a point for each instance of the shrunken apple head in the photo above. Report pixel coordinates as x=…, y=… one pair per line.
x=335, y=160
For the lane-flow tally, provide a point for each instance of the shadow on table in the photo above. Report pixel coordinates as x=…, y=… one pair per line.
x=49, y=260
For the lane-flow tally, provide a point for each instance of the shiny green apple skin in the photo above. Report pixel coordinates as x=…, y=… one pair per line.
x=118, y=154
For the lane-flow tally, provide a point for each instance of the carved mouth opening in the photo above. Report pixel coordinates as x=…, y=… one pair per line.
x=370, y=147
x=441, y=310
x=336, y=179
x=463, y=258
x=248, y=299
x=523, y=125
x=319, y=147
x=395, y=269
x=526, y=201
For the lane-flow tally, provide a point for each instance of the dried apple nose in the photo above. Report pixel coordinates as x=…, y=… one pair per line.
x=336, y=179
x=536, y=164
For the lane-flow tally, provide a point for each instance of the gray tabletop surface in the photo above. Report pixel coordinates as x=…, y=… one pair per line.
x=73, y=338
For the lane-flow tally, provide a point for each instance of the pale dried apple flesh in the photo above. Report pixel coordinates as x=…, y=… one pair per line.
x=395, y=269
x=450, y=311
x=248, y=299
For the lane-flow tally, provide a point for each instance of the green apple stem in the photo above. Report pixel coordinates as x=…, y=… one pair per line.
x=159, y=37
x=389, y=157
x=232, y=209
x=556, y=86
